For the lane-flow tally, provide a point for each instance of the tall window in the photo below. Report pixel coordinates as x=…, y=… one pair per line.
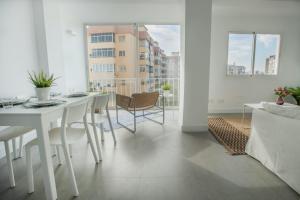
x=102, y=37
x=253, y=54
x=103, y=52
x=121, y=56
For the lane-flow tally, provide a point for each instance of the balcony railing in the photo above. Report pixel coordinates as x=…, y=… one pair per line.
x=128, y=86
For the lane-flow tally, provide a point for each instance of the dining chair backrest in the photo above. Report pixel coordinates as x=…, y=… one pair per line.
x=74, y=112
x=100, y=103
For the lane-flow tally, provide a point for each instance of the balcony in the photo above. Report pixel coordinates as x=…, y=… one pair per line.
x=128, y=86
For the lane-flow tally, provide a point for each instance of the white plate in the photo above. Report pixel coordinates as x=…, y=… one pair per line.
x=14, y=101
x=38, y=104
x=78, y=94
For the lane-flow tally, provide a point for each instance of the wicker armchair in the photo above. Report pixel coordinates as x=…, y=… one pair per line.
x=139, y=102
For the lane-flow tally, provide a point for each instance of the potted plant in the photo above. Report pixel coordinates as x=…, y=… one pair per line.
x=295, y=92
x=281, y=93
x=166, y=89
x=42, y=83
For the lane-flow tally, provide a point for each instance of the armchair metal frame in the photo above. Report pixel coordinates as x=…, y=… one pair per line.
x=134, y=104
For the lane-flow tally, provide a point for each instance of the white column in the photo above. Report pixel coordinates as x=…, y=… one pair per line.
x=197, y=61
x=40, y=34
x=49, y=39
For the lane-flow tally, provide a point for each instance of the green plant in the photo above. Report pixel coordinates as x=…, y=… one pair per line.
x=41, y=79
x=166, y=86
x=295, y=92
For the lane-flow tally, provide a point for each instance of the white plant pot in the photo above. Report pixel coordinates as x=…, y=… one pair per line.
x=43, y=93
x=166, y=93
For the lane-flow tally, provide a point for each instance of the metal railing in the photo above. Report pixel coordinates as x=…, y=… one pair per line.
x=128, y=86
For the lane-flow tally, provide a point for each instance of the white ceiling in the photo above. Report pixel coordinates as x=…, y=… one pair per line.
x=218, y=5
x=171, y=1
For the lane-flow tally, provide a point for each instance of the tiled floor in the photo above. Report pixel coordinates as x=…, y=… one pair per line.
x=158, y=162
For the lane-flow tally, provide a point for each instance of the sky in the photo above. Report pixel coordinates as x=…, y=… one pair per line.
x=240, y=49
x=168, y=37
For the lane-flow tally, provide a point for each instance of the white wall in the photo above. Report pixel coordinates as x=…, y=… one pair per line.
x=17, y=47
x=17, y=51
x=227, y=94
x=74, y=14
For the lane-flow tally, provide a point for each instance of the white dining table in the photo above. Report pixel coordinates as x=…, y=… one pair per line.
x=40, y=119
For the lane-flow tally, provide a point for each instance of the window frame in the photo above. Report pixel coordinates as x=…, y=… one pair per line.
x=102, y=37
x=254, y=53
x=102, y=52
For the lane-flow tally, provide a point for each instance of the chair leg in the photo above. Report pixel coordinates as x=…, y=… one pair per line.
x=9, y=164
x=29, y=169
x=90, y=141
x=14, y=144
x=111, y=127
x=58, y=154
x=70, y=169
x=102, y=131
x=20, y=146
x=134, y=118
x=124, y=126
x=164, y=110
x=97, y=141
x=71, y=150
x=53, y=151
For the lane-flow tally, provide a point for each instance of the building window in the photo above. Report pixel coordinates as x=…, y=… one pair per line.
x=122, y=38
x=142, y=69
x=122, y=68
x=104, y=52
x=156, y=62
x=103, y=67
x=253, y=54
x=122, y=53
x=142, y=56
x=150, y=69
x=102, y=37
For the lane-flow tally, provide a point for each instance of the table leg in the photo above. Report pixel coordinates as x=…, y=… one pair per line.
x=20, y=146
x=243, y=116
x=46, y=160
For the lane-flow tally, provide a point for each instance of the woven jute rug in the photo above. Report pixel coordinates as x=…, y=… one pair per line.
x=229, y=134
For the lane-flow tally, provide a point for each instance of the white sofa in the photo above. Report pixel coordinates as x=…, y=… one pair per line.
x=275, y=142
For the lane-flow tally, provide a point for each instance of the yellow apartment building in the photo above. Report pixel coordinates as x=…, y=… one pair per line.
x=123, y=59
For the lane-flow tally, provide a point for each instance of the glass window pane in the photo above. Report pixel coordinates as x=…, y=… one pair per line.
x=240, y=48
x=266, y=54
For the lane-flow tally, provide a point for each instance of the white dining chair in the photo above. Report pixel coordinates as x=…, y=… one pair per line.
x=99, y=105
x=11, y=133
x=64, y=136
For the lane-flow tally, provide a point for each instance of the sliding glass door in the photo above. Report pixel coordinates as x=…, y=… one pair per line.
x=133, y=58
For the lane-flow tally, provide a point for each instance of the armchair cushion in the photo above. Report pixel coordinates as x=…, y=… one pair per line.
x=138, y=101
